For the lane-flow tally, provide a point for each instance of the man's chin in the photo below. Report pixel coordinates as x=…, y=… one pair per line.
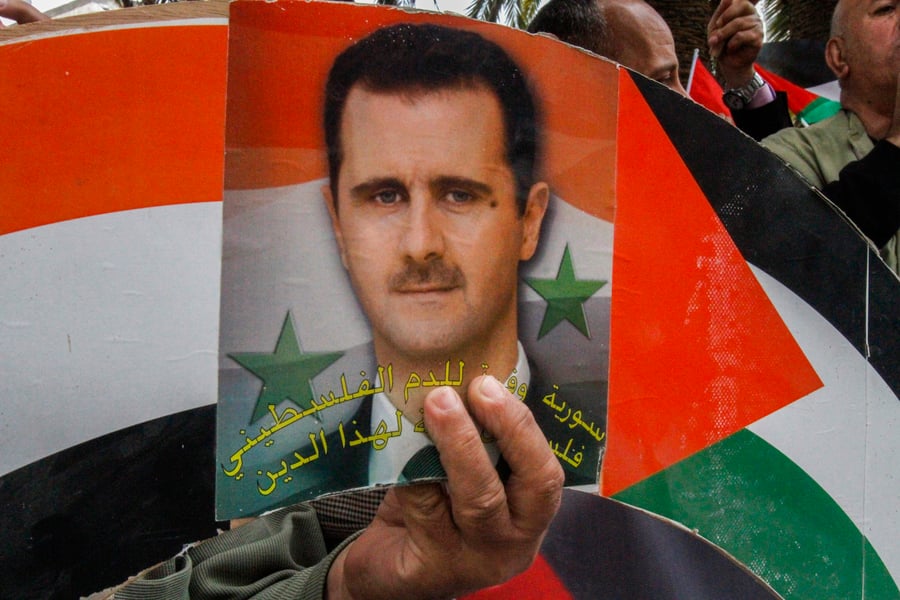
x=423, y=343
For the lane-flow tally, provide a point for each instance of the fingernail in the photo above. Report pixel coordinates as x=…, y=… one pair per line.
x=444, y=399
x=491, y=388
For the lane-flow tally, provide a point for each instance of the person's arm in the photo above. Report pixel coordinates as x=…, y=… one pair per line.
x=20, y=12
x=441, y=541
x=735, y=38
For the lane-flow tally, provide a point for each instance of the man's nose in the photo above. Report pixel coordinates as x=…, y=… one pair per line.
x=423, y=236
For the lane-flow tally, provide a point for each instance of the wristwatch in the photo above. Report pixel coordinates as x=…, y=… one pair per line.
x=739, y=98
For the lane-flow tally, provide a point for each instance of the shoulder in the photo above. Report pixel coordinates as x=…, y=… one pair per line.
x=819, y=151
x=835, y=128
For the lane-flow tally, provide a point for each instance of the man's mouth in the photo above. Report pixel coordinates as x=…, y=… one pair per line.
x=425, y=289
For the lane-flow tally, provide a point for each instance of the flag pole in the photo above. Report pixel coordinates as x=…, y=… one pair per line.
x=693, y=66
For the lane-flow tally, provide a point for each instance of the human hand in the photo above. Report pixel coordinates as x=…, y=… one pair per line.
x=20, y=12
x=735, y=37
x=440, y=541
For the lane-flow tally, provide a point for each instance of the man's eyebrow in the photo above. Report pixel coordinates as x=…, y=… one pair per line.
x=445, y=182
x=369, y=186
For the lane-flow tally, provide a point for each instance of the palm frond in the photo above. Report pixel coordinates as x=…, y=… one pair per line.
x=777, y=15
x=524, y=12
x=487, y=10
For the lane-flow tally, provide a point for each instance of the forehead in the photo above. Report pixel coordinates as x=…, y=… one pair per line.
x=851, y=12
x=454, y=131
x=444, y=100
x=643, y=39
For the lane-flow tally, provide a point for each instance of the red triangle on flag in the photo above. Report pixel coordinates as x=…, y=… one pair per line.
x=538, y=582
x=697, y=350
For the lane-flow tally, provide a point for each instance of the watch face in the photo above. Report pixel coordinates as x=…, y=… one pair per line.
x=733, y=100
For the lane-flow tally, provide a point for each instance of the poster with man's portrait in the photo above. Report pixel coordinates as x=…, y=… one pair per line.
x=412, y=201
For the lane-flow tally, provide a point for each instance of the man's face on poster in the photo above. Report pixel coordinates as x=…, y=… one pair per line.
x=427, y=220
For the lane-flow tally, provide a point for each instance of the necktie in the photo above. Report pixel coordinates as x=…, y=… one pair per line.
x=424, y=463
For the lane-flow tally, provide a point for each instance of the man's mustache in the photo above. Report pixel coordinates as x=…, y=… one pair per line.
x=432, y=274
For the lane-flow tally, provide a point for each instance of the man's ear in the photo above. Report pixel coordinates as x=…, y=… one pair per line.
x=835, y=57
x=331, y=204
x=535, y=209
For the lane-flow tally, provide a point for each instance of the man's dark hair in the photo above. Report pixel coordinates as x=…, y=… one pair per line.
x=412, y=59
x=577, y=22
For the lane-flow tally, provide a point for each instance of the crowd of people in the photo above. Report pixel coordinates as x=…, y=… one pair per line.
x=852, y=157
x=440, y=540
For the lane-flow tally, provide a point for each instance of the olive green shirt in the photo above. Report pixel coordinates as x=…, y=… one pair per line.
x=282, y=555
x=820, y=151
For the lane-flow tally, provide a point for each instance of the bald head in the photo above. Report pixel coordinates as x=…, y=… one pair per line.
x=629, y=32
x=864, y=54
x=642, y=40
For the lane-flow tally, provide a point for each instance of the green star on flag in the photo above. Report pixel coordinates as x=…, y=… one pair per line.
x=287, y=373
x=565, y=297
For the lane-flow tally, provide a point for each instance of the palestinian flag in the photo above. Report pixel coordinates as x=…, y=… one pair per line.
x=805, y=106
x=775, y=437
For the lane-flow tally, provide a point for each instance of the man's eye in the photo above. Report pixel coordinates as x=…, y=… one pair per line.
x=386, y=197
x=885, y=9
x=459, y=196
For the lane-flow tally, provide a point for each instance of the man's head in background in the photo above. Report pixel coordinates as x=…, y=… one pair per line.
x=433, y=145
x=864, y=54
x=629, y=32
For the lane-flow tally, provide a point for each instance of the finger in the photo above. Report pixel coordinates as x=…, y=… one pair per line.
x=535, y=484
x=736, y=9
x=476, y=492
x=397, y=550
x=729, y=19
x=717, y=14
x=740, y=25
x=422, y=509
x=743, y=40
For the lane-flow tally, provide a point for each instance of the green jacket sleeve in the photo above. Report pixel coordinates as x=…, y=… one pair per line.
x=280, y=555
